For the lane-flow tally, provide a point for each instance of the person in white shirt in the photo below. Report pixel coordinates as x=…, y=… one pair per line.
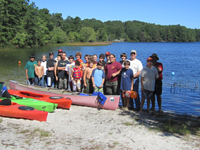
x=69, y=68
x=44, y=64
x=136, y=66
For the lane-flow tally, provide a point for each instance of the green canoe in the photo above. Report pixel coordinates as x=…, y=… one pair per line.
x=39, y=105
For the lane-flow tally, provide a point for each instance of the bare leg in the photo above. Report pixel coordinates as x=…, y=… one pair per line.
x=153, y=102
x=159, y=99
x=127, y=102
x=148, y=104
x=142, y=103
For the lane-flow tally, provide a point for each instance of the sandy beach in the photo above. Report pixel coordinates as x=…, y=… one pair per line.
x=87, y=128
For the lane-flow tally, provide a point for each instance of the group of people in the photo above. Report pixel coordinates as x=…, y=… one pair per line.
x=109, y=77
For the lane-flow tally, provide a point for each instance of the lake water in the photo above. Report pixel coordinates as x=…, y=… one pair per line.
x=180, y=92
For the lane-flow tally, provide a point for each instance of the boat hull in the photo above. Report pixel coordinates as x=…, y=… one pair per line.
x=90, y=101
x=13, y=111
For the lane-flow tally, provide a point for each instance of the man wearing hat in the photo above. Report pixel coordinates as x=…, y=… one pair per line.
x=136, y=66
x=158, y=83
x=148, y=76
x=30, y=70
x=60, y=51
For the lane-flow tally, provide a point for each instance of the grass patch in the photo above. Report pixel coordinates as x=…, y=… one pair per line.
x=128, y=124
x=42, y=133
x=24, y=131
x=110, y=133
x=1, y=120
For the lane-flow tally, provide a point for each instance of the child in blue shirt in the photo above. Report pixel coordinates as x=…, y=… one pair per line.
x=126, y=85
x=98, y=78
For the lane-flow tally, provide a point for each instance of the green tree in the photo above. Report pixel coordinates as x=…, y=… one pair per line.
x=87, y=32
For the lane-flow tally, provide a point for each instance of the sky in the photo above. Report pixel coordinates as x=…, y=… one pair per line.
x=163, y=12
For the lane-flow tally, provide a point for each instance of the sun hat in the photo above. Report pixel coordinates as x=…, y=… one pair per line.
x=133, y=51
x=60, y=51
x=107, y=53
x=149, y=59
x=155, y=55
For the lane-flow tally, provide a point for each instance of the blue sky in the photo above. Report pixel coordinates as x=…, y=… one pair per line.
x=163, y=12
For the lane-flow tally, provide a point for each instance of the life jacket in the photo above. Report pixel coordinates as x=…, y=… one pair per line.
x=77, y=73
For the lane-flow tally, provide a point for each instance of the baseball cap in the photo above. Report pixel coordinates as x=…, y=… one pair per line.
x=107, y=53
x=32, y=56
x=149, y=59
x=133, y=51
x=60, y=51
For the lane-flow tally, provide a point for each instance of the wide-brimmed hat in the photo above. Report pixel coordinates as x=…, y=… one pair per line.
x=155, y=55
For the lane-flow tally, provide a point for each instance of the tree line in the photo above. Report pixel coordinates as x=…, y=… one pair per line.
x=23, y=24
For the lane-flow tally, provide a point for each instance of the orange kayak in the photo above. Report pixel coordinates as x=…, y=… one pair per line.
x=19, y=111
x=62, y=102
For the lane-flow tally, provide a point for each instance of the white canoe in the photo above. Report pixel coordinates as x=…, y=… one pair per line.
x=90, y=101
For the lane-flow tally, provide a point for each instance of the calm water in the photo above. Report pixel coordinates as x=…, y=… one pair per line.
x=181, y=58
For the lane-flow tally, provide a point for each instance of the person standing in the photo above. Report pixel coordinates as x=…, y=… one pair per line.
x=112, y=70
x=44, y=64
x=30, y=70
x=62, y=75
x=39, y=72
x=50, y=70
x=60, y=51
x=136, y=66
x=148, y=76
x=69, y=69
x=158, y=83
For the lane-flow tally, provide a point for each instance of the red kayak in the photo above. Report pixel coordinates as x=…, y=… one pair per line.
x=19, y=111
x=62, y=102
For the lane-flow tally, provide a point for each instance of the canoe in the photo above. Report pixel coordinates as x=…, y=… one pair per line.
x=14, y=111
x=90, y=101
x=62, y=102
x=36, y=104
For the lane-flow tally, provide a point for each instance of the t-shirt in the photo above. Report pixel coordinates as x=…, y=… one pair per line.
x=126, y=76
x=69, y=68
x=135, y=65
x=110, y=69
x=158, y=64
x=50, y=63
x=62, y=73
x=30, y=66
x=150, y=75
x=44, y=64
x=98, y=75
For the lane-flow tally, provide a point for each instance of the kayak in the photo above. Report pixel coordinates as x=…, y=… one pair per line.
x=36, y=104
x=111, y=102
x=62, y=102
x=19, y=111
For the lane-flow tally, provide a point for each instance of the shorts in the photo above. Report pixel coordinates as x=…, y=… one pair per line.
x=158, y=87
x=147, y=93
x=126, y=94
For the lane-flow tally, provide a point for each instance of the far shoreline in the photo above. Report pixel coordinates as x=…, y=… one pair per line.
x=84, y=44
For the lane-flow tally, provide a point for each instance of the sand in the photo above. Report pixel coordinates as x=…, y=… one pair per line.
x=88, y=128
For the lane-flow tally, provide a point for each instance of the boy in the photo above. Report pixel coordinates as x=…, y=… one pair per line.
x=148, y=76
x=101, y=59
x=98, y=78
x=76, y=77
x=30, y=70
x=44, y=64
x=95, y=60
x=123, y=57
x=50, y=67
x=85, y=65
x=39, y=71
x=87, y=77
x=126, y=85
x=62, y=75
x=69, y=69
